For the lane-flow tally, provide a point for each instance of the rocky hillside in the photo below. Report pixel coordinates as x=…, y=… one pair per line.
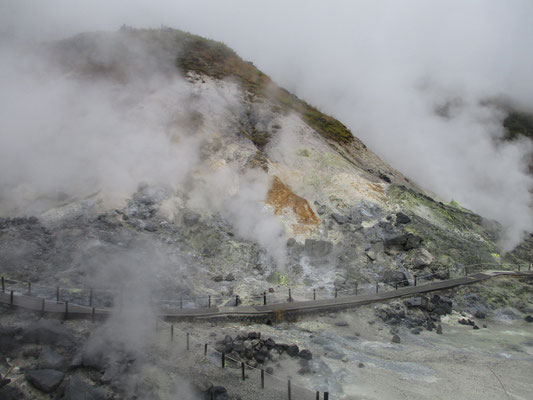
x=277, y=192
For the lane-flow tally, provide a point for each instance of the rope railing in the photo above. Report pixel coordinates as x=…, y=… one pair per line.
x=290, y=389
x=107, y=297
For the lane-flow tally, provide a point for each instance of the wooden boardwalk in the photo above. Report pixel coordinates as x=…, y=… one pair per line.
x=70, y=310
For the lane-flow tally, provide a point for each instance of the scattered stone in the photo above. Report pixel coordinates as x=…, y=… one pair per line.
x=439, y=329
x=190, y=218
x=361, y=365
x=484, y=326
x=321, y=210
x=341, y=323
x=254, y=335
x=150, y=226
x=339, y=219
x=412, y=242
x=230, y=277
x=46, y=380
x=396, y=339
x=528, y=318
x=305, y=354
x=218, y=393
x=480, y=314
x=291, y=242
x=293, y=350
x=218, y=278
x=402, y=218
x=475, y=327
x=422, y=258
x=416, y=331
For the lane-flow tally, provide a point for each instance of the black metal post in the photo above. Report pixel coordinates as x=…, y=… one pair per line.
x=205, y=349
x=11, y=298
x=66, y=309
x=415, y=280
x=395, y=285
x=223, y=359
x=356, y=287
x=42, y=307
x=289, y=389
x=236, y=300
x=93, y=312
x=29, y=288
x=326, y=396
x=262, y=378
x=242, y=369
x=3, y=285
x=188, y=344
x=209, y=303
x=90, y=297
x=518, y=267
x=317, y=397
x=314, y=294
x=336, y=292
x=57, y=294
x=377, y=287
x=290, y=295
x=181, y=303
x=264, y=298
x=171, y=333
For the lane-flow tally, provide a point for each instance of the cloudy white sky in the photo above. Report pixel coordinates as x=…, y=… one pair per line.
x=382, y=67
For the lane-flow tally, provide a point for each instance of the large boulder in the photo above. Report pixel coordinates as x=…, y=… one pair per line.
x=412, y=242
x=317, y=248
x=217, y=393
x=422, y=258
x=392, y=277
x=77, y=389
x=50, y=332
x=293, y=350
x=402, y=218
x=51, y=359
x=394, y=238
x=46, y=380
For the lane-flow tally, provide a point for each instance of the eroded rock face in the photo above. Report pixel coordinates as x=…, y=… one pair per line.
x=282, y=198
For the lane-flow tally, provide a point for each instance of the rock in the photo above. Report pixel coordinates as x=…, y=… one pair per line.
x=339, y=219
x=218, y=278
x=11, y=393
x=384, y=177
x=150, y=226
x=528, y=318
x=252, y=363
x=49, y=332
x=218, y=393
x=394, y=238
x=190, y=218
x=291, y=242
x=392, y=277
x=305, y=354
x=321, y=210
x=293, y=350
x=439, y=329
x=254, y=335
x=396, y=339
x=416, y=331
x=402, y=218
x=412, y=242
x=77, y=389
x=341, y=323
x=8, y=342
x=95, y=359
x=230, y=277
x=475, y=327
x=51, y=359
x=46, y=380
x=317, y=248
x=422, y=258
x=480, y=314
x=361, y=365
x=416, y=302
x=269, y=370
x=238, y=346
x=259, y=357
x=305, y=368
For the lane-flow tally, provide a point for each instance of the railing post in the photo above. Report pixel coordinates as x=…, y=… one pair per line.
x=518, y=267
x=264, y=298
x=90, y=297
x=336, y=292
x=290, y=295
x=29, y=288
x=66, y=309
x=93, y=312
x=11, y=298
x=326, y=395
x=236, y=300
x=415, y=280
x=396, y=285
x=188, y=344
x=42, y=308
x=377, y=287
x=223, y=359
x=317, y=397
x=314, y=294
x=262, y=378
x=242, y=369
x=209, y=302
x=57, y=294
x=356, y=287
x=171, y=333
x=205, y=349
x=289, y=389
